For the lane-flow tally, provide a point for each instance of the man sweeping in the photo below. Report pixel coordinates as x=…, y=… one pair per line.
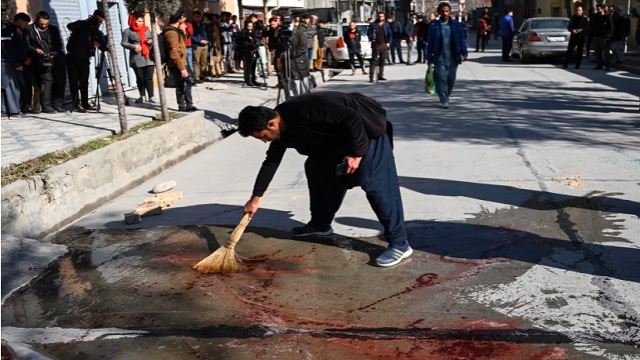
x=348, y=141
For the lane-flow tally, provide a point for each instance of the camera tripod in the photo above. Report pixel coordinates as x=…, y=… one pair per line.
x=255, y=56
x=286, y=81
x=104, y=64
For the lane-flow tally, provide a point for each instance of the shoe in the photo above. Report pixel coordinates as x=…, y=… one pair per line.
x=370, y=80
x=445, y=105
x=59, y=108
x=393, y=256
x=402, y=62
x=353, y=73
x=309, y=231
x=28, y=110
x=191, y=109
x=564, y=66
x=508, y=60
x=410, y=63
x=364, y=72
x=608, y=68
x=256, y=84
x=48, y=110
x=381, y=78
x=152, y=100
x=80, y=109
x=139, y=100
x=89, y=107
x=248, y=84
x=199, y=81
x=477, y=51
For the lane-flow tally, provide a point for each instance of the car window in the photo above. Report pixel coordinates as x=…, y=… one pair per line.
x=523, y=27
x=549, y=24
x=330, y=31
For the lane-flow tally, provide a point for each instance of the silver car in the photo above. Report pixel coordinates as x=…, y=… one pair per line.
x=335, y=50
x=541, y=37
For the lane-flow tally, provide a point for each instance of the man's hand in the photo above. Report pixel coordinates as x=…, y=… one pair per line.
x=204, y=42
x=19, y=68
x=184, y=73
x=353, y=163
x=39, y=52
x=252, y=206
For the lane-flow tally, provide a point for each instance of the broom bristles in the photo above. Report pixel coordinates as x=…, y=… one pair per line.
x=222, y=261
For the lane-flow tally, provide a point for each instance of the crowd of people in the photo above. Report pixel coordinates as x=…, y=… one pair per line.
x=208, y=45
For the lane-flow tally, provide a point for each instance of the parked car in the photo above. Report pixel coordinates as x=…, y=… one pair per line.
x=335, y=50
x=541, y=37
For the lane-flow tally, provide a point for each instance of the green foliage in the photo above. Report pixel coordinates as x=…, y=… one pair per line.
x=7, y=8
x=160, y=7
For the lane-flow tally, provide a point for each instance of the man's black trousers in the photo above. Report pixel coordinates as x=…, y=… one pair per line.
x=376, y=175
x=183, y=89
x=78, y=72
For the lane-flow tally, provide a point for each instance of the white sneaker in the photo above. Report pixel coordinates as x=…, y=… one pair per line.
x=393, y=256
x=152, y=100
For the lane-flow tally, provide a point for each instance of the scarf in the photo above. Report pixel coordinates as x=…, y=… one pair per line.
x=142, y=33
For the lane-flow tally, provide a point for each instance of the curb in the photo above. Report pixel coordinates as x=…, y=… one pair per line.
x=46, y=203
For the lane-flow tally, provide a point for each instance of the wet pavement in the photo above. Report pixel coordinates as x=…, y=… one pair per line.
x=523, y=209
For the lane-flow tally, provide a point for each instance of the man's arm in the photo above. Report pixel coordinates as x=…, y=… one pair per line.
x=173, y=42
x=270, y=165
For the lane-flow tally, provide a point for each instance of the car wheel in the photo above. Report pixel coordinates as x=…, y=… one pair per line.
x=331, y=60
x=524, y=57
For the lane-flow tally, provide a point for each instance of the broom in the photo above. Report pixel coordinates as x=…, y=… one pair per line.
x=225, y=260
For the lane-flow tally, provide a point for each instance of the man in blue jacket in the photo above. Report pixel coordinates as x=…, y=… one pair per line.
x=506, y=33
x=446, y=49
x=380, y=36
x=200, y=45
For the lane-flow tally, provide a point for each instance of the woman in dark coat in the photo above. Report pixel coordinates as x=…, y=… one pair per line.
x=137, y=39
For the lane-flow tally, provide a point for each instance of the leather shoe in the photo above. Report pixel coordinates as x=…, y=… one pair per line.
x=48, y=110
x=80, y=109
x=59, y=108
x=381, y=78
x=410, y=63
x=255, y=83
x=89, y=107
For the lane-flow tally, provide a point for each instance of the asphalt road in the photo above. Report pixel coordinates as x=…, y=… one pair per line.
x=522, y=201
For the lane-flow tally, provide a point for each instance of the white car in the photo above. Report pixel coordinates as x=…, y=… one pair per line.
x=335, y=50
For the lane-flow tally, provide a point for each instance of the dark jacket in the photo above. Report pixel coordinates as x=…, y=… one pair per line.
x=602, y=26
x=12, y=48
x=458, y=41
x=352, y=41
x=372, y=33
x=322, y=123
x=396, y=31
x=247, y=42
x=51, y=43
x=580, y=24
x=422, y=30
x=299, y=47
x=83, y=34
x=408, y=31
x=199, y=34
x=621, y=27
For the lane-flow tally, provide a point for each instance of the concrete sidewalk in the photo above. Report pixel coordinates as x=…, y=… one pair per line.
x=29, y=137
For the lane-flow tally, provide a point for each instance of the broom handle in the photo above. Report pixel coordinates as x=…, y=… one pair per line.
x=239, y=230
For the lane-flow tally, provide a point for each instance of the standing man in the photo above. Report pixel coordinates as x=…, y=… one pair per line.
x=421, y=31
x=317, y=62
x=12, y=68
x=352, y=39
x=578, y=27
x=507, y=30
x=409, y=36
x=446, y=49
x=174, y=39
x=621, y=30
x=602, y=31
x=347, y=139
x=396, y=40
x=199, y=46
x=81, y=47
x=380, y=35
x=45, y=45
x=21, y=21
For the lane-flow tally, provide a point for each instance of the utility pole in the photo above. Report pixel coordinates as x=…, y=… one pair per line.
x=122, y=114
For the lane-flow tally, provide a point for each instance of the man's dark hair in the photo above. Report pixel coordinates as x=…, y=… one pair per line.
x=22, y=16
x=176, y=17
x=196, y=12
x=442, y=5
x=305, y=16
x=254, y=118
x=42, y=15
x=98, y=13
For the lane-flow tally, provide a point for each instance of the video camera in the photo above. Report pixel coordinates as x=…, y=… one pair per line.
x=285, y=30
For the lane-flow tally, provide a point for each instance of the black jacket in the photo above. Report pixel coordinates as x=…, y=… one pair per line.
x=352, y=41
x=322, y=123
x=580, y=24
x=83, y=34
x=49, y=42
x=299, y=60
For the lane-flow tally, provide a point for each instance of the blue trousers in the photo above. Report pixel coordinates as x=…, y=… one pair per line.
x=378, y=178
x=445, y=79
